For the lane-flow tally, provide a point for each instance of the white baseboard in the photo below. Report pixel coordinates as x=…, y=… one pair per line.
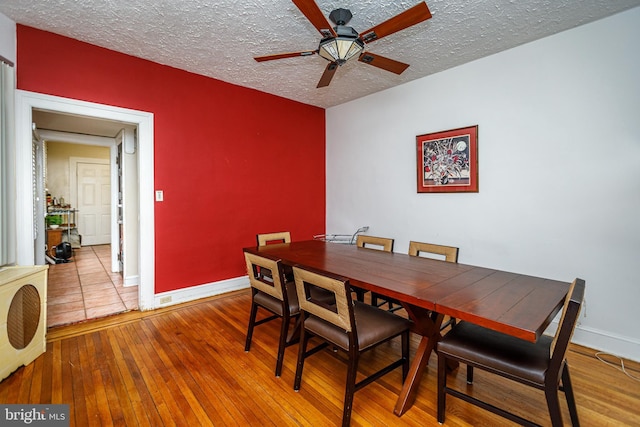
x=599, y=340
x=618, y=345
x=131, y=280
x=179, y=296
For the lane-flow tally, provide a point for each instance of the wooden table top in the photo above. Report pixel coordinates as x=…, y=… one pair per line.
x=515, y=304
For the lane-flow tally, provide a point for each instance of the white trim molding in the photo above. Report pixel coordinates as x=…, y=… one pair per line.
x=179, y=296
x=604, y=341
x=599, y=340
x=25, y=103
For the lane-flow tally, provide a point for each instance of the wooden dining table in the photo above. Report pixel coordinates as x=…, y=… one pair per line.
x=515, y=304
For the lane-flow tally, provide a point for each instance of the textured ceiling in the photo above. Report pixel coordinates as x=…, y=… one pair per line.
x=219, y=38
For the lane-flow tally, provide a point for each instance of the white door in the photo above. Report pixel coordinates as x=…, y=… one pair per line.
x=94, y=203
x=39, y=200
x=128, y=206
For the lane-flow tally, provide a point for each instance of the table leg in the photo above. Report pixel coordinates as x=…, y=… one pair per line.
x=427, y=324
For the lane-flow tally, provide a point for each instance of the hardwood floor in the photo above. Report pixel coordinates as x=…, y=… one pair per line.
x=186, y=365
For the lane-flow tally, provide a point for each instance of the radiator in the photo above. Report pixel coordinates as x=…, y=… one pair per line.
x=23, y=316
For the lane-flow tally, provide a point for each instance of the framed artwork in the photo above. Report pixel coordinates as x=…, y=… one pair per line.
x=448, y=161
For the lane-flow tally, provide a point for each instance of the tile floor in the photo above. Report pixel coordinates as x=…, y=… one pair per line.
x=85, y=288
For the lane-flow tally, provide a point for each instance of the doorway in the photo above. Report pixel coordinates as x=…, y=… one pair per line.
x=92, y=188
x=77, y=178
x=26, y=103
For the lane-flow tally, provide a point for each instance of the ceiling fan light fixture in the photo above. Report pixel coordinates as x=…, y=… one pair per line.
x=340, y=49
x=341, y=43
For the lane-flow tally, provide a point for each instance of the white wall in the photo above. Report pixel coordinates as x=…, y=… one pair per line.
x=559, y=164
x=7, y=38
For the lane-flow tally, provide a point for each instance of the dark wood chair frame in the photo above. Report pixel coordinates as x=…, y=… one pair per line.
x=273, y=285
x=343, y=314
x=555, y=374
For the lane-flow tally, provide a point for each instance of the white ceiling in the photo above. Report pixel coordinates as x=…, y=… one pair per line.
x=219, y=38
x=81, y=125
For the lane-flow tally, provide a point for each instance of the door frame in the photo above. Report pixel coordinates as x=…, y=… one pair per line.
x=25, y=103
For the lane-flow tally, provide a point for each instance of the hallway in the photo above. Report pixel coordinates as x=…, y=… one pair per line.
x=85, y=288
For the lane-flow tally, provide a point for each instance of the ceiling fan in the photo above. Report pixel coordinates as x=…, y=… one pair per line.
x=341, y=43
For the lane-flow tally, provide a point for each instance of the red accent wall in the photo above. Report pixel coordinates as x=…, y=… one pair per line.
x=232, y=161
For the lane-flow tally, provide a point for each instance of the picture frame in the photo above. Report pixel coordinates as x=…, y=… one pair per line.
x=447, y=161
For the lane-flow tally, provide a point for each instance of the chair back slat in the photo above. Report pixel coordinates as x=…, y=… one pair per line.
x=280, y=237
x=271, y=283
x=569, y=319
x=450, y=253
x=363, y=241
x=339, y=314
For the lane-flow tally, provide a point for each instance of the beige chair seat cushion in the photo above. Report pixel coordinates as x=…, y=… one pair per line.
x=496, y=352
x=275, y=305
x=373, y=325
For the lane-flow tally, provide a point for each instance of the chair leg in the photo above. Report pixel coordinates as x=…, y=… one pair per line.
x=359, y=294
x=374, y=299
x=442, y=384
x=294, y=335
x=553, y=403
x=568, y=392
x=282, y=343
x=252, y=321
x=405, y=355
x=451, y=321
x=350, y=389
x=469, y=374
x=302, y=348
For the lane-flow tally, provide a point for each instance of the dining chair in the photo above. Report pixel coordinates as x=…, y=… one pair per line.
x=450, y=254
x=384, y=244
x=285, y=237
x=272, y=293
x=268, y=238
x=272, y=238
x=372, y=242
x=542, y=365
x=352, y=326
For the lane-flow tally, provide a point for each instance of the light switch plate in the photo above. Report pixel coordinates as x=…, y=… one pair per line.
x=159, y=196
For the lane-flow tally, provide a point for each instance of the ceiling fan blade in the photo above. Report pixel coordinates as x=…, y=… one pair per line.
x=383, y=63
x=284, y=55
x=310, y=9
x=328, y=74
x=409, y=17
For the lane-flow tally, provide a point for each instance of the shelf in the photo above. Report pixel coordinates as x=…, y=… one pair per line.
x=68, y=225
